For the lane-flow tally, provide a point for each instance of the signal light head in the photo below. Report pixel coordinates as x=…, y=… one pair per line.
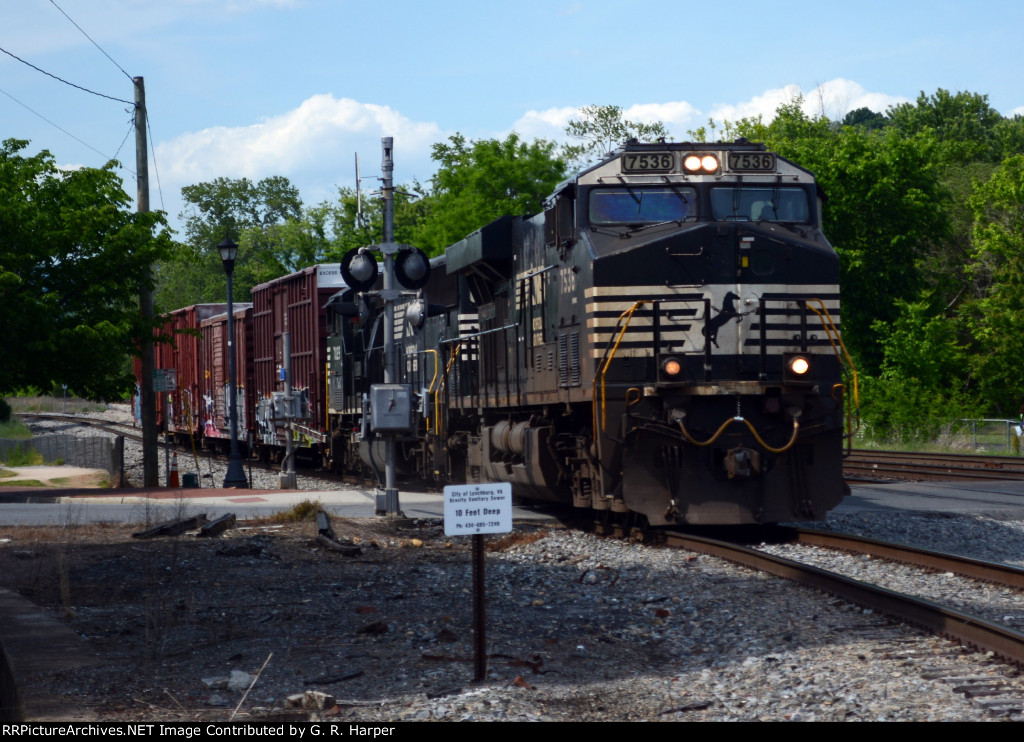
x=412, y=268
x=359, y=269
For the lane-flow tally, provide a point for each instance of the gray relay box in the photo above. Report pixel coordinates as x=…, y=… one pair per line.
x=391, y=408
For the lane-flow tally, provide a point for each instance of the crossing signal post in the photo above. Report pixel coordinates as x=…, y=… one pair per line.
x=391, y=402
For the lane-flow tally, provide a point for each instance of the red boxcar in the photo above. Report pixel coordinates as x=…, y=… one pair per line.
x=215, y=373
x=181, y=354
x=293, y=304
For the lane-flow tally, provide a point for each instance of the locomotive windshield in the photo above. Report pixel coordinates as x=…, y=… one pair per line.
x=642, y=205
x=773, y=204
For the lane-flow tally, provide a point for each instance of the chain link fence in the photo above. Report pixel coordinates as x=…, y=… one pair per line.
x=995, y=435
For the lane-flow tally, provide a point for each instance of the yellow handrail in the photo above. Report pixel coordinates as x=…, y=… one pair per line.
x=832, y=333
x=627, y=315
x=430, y=389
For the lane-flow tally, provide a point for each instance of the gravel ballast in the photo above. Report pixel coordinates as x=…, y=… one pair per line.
x=579, y=627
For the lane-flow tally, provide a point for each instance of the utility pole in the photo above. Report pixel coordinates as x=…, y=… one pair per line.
x=150, y=466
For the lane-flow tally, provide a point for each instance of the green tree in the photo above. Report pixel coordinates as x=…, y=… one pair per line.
x=479, y=180
x=965, y=123
x=603, y=128
x=73, y=258
x=865, y=118
x=884, y=208
x=995, y=314
x=412, y=211
x=251, y=214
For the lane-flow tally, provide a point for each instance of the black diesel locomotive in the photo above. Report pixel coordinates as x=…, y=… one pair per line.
x=662, y=342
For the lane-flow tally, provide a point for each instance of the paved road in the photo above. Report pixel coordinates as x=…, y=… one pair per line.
x=39, y=506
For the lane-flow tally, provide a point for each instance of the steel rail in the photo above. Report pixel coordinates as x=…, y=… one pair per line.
x=902, y=464
x=972, y=631
x=994, y=572
x=109, y=426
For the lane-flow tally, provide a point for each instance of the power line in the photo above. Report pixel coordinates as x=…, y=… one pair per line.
x=60, y=128
x=61, y=79
x=158, y=188
x=90, y=39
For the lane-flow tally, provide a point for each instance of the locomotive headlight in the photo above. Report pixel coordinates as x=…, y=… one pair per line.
x=671, y=367
x=799, y=365
x=700, y=164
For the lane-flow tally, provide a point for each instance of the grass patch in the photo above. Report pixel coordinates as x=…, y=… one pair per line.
x=19, y=457
x=23, y=483
x=14, y=430
x=4, y=473
x=305, y=510
x=71, y=405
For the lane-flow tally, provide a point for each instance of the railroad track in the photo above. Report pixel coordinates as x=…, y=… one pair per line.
x=110, y=426
x=970, y=630
x=870, y=465
x=135, y=434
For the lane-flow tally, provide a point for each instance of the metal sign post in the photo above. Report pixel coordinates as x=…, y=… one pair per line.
x=166, y=380
x=474, y=510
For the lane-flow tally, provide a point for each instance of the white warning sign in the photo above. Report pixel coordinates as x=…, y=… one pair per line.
x=477, y=508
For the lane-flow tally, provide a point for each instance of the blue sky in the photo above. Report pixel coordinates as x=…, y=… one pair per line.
x=295, y=87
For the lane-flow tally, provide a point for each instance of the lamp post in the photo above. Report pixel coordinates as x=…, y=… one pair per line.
x=236, y=474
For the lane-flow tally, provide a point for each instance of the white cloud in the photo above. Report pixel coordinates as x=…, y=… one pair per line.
x=676, y=115
x=1018, y=111
x=551, y=122
x=320, y=135
x=833, y=99
x=838, y=97
x=546, y=124
x=760, y=105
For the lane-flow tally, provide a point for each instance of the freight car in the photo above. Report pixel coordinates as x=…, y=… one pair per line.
x=178, y=348
x=214, y=372
x=660, y=344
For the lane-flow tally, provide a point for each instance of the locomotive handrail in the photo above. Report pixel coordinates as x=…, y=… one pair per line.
x=444, y=380
x=830, y=331
x=430, y=389
x=609, y=355
x=460, y=338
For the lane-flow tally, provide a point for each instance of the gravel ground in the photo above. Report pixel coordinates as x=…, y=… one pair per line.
x=579, y=628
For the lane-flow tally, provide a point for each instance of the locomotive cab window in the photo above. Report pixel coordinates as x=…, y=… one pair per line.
x=755, y=204
x=559, y=222
x=642, y=205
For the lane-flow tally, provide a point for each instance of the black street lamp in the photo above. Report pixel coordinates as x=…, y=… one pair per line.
x=236, y=473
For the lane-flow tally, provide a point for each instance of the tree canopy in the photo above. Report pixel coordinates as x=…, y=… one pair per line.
x=603, y=128
x=479, y=180
x=73, y=259
x=264, y=218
